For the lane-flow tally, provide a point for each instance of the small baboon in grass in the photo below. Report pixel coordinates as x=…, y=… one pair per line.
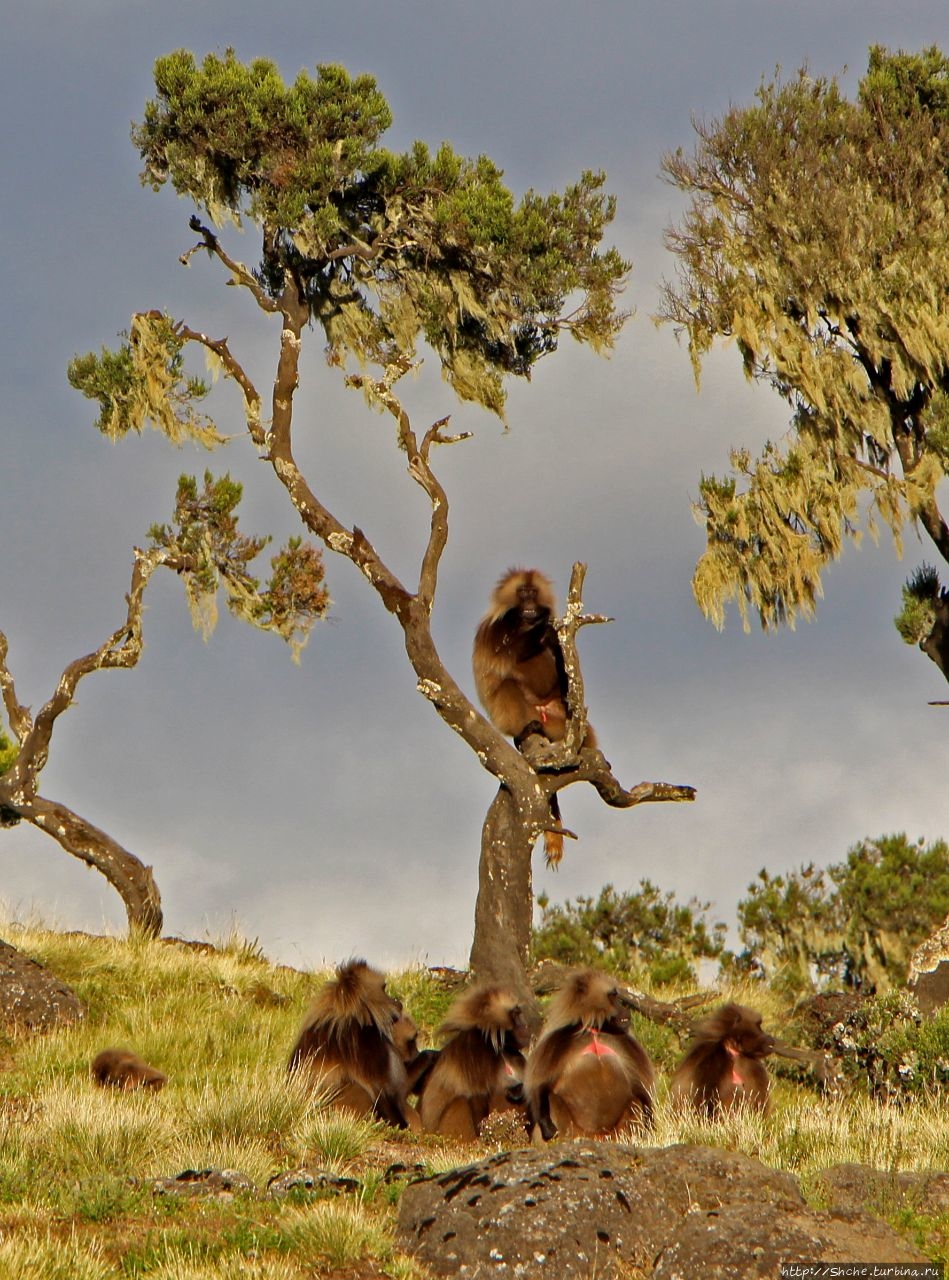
x=123, y=1069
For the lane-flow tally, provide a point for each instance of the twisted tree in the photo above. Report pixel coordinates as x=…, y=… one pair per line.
x=204, y=548
x=378, y=251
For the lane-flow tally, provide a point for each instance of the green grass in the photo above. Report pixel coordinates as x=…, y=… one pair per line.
x=77, y=1162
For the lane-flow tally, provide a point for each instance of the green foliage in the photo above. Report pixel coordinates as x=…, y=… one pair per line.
x=145, y=382
x=856, y=923
x=882, y=1044
x=915, y=620
x=214, y=554
x=384, y=248
x=643, y=930
x=815, y=238
x=8, y=752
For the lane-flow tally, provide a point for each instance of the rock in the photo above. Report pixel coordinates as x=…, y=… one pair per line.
x=574, y=1209
x=311, y=1180
x=553, y=1212
x=222, y=1183
x=31, y=999
x=858, y=1186
x=928, y=977
x=751, y=1241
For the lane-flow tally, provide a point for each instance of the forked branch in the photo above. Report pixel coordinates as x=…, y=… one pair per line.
x=563, y=763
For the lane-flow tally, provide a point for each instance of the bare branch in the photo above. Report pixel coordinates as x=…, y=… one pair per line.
x=810, y=1057
x=676, y=1015
x=576, y=727
x=419, y=469
x=122, y=649
x=21, y=722
x=434, y=435
x=644, y=793
x=241, y=275
x=133, y=881
x=358, y=250
x=438, y=531
x=235, y=371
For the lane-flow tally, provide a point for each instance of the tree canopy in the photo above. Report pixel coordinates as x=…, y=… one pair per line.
x=815, y=236
x=641, y=931
x=384, y=248
x=855, y=923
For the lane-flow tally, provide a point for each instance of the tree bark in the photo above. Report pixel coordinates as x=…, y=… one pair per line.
x=131, y=879
x=18, y=786
x=505, y=904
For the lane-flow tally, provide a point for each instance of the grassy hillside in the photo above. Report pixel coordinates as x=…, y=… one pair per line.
x=77, y=1162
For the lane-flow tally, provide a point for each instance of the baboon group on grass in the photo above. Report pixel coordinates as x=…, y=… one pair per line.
x=586, y=1075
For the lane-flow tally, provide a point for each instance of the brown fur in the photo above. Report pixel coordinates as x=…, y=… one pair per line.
x=587, y=1075
x=418, y=1063
x=722, y=1067
x=519, y=669
x=354, y=1042
x=122, y=1069
x=481, y=1066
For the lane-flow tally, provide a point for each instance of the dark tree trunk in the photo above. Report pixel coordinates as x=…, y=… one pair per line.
x=505, y=903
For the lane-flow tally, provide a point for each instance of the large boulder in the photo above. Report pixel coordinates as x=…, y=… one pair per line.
x=575, y=1209
x=31, y=999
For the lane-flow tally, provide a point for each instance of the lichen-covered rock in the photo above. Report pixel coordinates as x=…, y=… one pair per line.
x=928, y=977
x=31, y=998
x=561, y=1211
x=315, y=1180
x=583, y=1208
x=221, y=1184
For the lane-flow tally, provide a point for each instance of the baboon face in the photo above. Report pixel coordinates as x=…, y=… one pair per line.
x=746, y=1033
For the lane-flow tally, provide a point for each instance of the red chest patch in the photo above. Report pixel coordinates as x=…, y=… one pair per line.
x=597, y=1049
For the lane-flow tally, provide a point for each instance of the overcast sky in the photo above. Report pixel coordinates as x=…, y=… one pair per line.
x=324, y=808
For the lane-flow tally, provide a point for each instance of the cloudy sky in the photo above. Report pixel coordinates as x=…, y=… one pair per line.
x=324, y=809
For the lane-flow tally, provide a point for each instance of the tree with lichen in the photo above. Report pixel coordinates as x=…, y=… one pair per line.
x=816, y=238
x=204, y=548
x=379, y=252
x=854, y=924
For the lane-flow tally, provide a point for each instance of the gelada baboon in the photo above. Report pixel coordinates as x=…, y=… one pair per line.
x=519, y=670
x=587, y=1074
x=123, y=1069
x=353, y=1044
x=722, y=1067
x=480, y=1068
